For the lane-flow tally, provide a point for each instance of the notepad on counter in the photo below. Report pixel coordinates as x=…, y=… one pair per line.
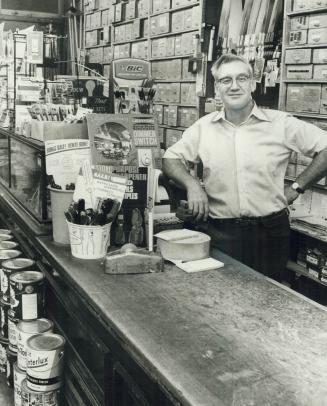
x=199, y=265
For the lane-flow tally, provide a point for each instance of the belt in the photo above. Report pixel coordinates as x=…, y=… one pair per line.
x=249, y=220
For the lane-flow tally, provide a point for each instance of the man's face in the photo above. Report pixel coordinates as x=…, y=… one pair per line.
x=234, y=84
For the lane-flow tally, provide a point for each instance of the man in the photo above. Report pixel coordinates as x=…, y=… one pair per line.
x=245, y=153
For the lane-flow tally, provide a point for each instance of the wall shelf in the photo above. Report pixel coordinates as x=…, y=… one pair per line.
x=307, y=11
x=186, y=6
x=169, y=34
x=301, y=270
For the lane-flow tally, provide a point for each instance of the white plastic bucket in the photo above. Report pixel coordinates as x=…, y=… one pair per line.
x=60, y=200
x=89, y=242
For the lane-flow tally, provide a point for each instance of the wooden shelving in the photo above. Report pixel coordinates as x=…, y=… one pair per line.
x=307, y=11
x=301, y=270
x=186, y=6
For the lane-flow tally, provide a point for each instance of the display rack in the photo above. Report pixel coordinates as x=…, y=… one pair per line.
x=162, y=32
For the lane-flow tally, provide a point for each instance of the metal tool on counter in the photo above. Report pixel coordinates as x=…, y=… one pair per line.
x=132, y=260
x=106, y=212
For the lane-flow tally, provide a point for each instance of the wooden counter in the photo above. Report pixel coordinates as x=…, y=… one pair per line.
x=223, y=337
x=226, y=337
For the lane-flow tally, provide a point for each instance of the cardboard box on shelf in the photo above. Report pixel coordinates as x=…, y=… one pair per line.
x=188, y=93
x=170, y=49
x=155, y=48
x=178, y=45
x=300, y=5
x=111, y=15
x=158, y=111
x=174, y=69
x=298, y=37
x=317, y=20
x=165, y=115
x=159, y=6
x=162, y=47
x=105, y=17
x=197, y=11
x=320, y=72
x=311, y=98
x=128, y=31
x=145, y=28
x=137, y=28
x=188, y=19
x=142, y=8
x=185, y=72
x=174, y=95
x=172, y=116
x=299, y=22
x=317, y=3
x=161, y=134
x=187, y=116
x=164, y=23
x=317, y=36
x=299, y=71
x=172, y=136
x=300, y=55
x=177, y=21
x=319, y=55
x=118, y=13
x=40, y=130
x=188, y=43
x=158, y=70
x=130, y=9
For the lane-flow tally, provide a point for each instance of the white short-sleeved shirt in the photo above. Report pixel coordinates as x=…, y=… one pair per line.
x=244, y=166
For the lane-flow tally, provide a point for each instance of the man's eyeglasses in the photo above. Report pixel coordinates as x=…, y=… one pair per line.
x=227, y=81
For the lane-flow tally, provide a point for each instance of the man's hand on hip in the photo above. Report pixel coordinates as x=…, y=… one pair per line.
x=197, y=200
x=290, y=194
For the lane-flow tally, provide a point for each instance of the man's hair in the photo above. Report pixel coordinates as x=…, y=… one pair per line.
x=228, y=58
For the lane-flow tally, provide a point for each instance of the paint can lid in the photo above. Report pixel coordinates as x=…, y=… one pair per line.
x=17, y=263
x=5, y=254
x=26, y=277
x=45, y=342
x=35, y=326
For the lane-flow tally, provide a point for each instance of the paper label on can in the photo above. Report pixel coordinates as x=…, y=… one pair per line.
x=4, y=281
x=18, y=379
x=45, y=364
x=12, y=334
x=29, y=306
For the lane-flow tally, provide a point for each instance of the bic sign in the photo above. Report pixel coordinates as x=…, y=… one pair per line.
x=131, y=69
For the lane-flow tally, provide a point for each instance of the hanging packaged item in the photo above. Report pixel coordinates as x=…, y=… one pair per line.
x=34, y=51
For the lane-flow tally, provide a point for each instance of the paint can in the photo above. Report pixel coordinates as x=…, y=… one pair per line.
x=8, y=245
x=11, y=359
x=19, y=376
x=4, y=308
x=12, y=331
x=6, y=237
x=25, y=330
x=31, y=397
x=45, y=362
x=3, y=354
x=27, y=294
x=6, y=255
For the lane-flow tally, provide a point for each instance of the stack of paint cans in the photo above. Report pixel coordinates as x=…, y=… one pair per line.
x=25, y=330
x=8, y=250
x=44, y=369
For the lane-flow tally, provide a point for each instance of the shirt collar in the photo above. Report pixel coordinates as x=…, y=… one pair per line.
x=256, y=112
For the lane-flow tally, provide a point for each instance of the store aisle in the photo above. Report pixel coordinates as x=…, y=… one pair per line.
x=6, y=393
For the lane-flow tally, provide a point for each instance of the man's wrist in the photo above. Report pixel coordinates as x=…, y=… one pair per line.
x=297, y=188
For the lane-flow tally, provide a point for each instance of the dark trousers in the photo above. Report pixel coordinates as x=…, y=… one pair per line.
x=261, y=243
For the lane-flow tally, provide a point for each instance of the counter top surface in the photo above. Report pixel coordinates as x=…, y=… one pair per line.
x=226, y=337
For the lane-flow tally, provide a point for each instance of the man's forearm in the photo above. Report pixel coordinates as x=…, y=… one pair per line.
x=175, y=170
x=315, y=171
